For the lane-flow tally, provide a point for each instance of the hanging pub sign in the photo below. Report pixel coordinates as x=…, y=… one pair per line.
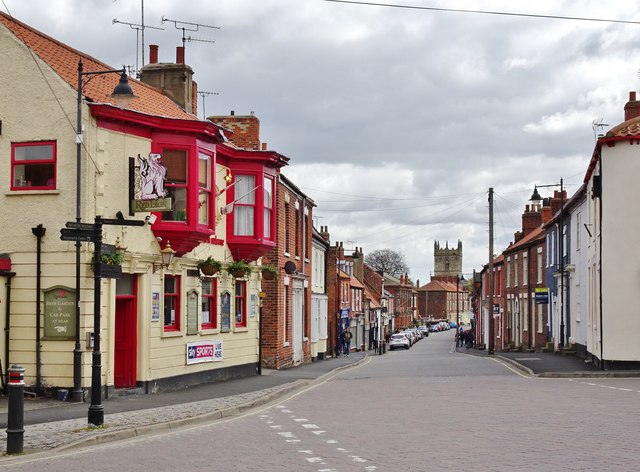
x=146, y=184
x=542, y=296
x=59, y=313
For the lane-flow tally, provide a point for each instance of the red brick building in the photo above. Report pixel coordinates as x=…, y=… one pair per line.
x=403, y=300
x=286, y=310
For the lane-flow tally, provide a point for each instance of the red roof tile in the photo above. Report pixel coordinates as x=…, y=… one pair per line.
x=64, y=60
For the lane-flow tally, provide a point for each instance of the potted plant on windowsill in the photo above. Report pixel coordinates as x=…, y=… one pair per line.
x=209, y=266
x=269, y=272
x=239, y=269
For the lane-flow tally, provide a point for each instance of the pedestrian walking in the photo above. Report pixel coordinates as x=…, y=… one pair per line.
x=346, y=341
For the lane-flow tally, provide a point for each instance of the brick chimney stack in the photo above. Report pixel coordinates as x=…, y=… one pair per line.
x=246, y=129
x=632, y=107
x=175, y=80
x=530, y=220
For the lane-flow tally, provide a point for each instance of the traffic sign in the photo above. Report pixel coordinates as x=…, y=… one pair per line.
x=76, y=225
x=67, y=234
x=122, y=222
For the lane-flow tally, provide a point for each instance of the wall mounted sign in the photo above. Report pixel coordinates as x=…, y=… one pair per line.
x=225, y=312
x=155, y=306
x=254, y=304
x=542, y=296
x=59, y=313
x=192, y=312
x=204, y=351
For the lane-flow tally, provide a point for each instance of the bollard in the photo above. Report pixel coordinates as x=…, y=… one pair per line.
x=15, y=418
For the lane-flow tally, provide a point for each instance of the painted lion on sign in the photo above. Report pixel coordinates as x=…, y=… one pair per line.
x=153, y=174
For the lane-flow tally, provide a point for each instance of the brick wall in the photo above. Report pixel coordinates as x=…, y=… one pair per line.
x=275, y=353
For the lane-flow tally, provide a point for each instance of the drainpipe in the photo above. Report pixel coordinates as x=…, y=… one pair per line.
x=600, y=264
x=39, y=231
x=7, y=308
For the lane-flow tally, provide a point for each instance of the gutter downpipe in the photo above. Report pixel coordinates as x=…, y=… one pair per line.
x=7, y=325
x=39, y=232
x=600, y=261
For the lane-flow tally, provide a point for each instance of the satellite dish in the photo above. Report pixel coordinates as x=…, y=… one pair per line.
x=290, y=267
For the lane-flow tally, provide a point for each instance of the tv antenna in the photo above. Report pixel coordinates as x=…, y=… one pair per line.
x=138, y=28
x=192, y=27
x=204, y=94
x=597, y=125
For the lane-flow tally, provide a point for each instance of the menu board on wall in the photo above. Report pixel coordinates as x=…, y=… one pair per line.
x=59, y=313
x=225, y=315
x=192, y=312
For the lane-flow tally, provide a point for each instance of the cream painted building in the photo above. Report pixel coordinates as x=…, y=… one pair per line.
x=161, y=327
x=613, y=228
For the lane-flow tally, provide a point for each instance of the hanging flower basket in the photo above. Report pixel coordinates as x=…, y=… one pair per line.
x=269, y=272
x=239, y=269
x=209, y=266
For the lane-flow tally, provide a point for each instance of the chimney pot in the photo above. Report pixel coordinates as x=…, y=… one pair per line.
x=180, y=55
x=632, y=96
x=153, y=53
x=233, y=112
x=264, y=146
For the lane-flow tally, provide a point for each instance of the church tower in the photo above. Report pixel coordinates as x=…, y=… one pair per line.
x=447, y=262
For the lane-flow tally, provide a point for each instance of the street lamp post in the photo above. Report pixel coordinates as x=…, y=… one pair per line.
x=459, y=278
x=536, y=199
x=121, y=94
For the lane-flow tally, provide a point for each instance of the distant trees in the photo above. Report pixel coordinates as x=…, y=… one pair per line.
x=388, y=261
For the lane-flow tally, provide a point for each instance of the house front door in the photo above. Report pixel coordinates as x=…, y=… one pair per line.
x=297, y=313
x=125, y=355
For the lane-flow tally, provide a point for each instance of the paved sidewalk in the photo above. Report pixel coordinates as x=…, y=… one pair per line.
x=51, y=424
x=550, y=364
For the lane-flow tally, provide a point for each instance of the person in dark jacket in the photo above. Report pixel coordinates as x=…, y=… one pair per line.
x=346, y=341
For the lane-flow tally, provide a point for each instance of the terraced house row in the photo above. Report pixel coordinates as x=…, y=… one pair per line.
x=568, y=279
x=170, y=247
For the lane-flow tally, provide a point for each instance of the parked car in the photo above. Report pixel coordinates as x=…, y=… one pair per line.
x=433, y=328
x=399, y=340
x=453, y=324
x=412, y=337
x=424, y=330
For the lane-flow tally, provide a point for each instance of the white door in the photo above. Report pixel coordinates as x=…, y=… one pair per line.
x=297, y=314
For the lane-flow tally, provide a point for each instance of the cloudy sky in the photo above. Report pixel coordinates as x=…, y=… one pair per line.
x=396, y=120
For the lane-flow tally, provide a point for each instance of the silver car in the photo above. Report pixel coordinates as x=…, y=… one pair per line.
x=399, y=340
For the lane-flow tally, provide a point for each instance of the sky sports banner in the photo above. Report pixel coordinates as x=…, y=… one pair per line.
x=204, y=351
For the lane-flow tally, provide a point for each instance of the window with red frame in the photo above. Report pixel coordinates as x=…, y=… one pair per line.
x=204, y=188
x=244, y=206
x=241, y=303
x=33, y=165
x=175, y=160
x=209, y=307
x=268, y=206
x=171, y=303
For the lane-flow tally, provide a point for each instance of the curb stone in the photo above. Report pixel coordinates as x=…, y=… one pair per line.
x=63, y=435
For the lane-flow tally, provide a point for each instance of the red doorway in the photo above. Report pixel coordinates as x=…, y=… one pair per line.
x=125, y=355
